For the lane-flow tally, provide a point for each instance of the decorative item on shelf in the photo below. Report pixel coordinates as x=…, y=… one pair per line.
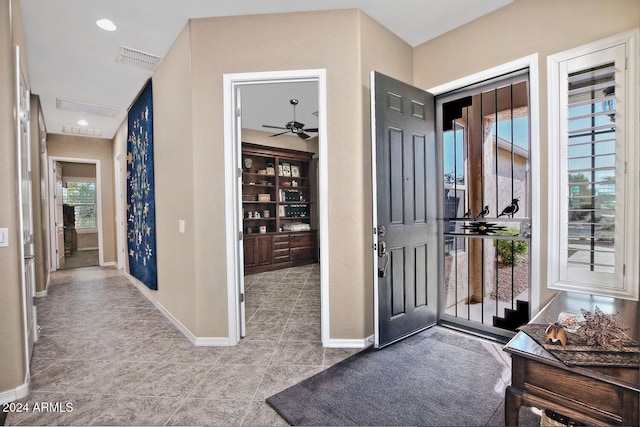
x=262, y=171
x=266, y=213
x=604, y=330
x=295, y=171
x=250, y=215
x=285, y=184
x=263, y=228
x=248, y=197
x=556, y=334
x=280, y=169
x=286, y=169
x=256, y=214
x=271, y=170
x=248, y=162
x=570, y=321
x=294, y=183
x=264, y=197
x=248, y=230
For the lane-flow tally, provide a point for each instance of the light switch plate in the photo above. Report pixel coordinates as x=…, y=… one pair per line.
x=4, y=237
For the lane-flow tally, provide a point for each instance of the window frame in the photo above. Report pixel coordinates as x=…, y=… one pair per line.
x=624, y=281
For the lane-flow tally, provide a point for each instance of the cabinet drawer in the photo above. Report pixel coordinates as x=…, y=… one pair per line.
x=303, y=253
x=303, y=239
x=280, y=245
x=281, y=239
x=281, y=255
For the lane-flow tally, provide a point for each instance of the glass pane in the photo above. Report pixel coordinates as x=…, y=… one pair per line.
x=85, y=216
x=454, y=156
x=591, y=169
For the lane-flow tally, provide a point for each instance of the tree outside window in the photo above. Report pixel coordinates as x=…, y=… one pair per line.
x=82, y=196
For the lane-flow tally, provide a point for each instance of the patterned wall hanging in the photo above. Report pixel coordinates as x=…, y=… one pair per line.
x=141, y=212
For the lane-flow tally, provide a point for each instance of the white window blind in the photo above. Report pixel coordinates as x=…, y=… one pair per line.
x=594, y=228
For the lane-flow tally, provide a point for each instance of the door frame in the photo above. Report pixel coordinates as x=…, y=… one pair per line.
x=120, y=171
x=530, y=62
x=52, y=206
x=233, y=223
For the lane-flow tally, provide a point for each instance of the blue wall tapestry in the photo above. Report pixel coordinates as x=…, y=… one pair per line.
x=141, y=207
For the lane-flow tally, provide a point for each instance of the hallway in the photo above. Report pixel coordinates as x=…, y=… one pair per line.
x=105, y=350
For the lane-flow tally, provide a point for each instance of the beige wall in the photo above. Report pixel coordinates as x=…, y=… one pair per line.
x=12, y=357
x=83, y=148
x=520, y=29
x=194, y=155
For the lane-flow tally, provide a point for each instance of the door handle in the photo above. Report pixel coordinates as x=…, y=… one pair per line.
x=382, y=249
x=382, y=253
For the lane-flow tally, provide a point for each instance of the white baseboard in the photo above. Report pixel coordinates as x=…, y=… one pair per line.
x=15, y=394
x=108, y=264
x=88, y=249
x=350, y=343
x=212, y=341
x=197, y=341
x=42, y=293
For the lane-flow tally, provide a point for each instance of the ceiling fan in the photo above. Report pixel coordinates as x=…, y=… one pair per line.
x=293, y=126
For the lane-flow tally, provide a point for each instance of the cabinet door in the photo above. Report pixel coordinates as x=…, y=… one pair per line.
x=250, y=258
x=263, y=250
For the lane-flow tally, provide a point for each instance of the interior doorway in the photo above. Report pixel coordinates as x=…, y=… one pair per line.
x=75, y=213
x=244, y=93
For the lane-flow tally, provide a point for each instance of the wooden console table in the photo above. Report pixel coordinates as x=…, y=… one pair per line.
x=589, y=395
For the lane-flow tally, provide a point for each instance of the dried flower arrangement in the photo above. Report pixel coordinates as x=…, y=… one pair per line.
x=603, y=329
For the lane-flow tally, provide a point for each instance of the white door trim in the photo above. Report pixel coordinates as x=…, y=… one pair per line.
x=52, y=205
x=120, y=209
x=232, y=201
x=530, y=62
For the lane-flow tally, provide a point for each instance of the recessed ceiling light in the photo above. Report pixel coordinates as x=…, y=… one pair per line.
x=83, y=122
x=106, y=24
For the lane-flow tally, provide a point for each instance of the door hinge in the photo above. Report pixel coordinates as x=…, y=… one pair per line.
x=33, y=300
x=239, y=172
x=240, y=235
x=242, y=297
x=238, y=112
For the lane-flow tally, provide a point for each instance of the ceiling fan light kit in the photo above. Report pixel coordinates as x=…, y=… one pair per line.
x=293, y=126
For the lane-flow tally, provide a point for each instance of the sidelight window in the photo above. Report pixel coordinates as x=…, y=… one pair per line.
x=593, y=179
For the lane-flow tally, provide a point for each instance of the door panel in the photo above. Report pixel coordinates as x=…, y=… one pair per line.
x=59, y=216
x=405, y=223
x=26, y=202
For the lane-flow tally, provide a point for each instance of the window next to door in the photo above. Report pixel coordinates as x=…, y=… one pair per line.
x=594, y=166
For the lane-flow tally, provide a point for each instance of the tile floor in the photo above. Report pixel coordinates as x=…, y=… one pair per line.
x=107, y=351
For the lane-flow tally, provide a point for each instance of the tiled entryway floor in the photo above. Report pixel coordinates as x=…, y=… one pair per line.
x=106, y=350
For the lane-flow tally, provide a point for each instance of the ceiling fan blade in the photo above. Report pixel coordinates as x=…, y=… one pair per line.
x=311, y=130
x=303, y=135
x=278, y=134
x=273, y=127
x=296, y=125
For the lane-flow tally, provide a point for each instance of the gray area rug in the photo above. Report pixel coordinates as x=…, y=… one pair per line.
x=435, y=378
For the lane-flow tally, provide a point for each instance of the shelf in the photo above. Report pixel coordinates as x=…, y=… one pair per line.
x=255, y=202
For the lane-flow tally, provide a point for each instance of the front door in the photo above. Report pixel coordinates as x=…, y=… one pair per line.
x=405, y=207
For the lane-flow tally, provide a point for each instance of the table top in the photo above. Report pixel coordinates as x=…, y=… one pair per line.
x=524, y=346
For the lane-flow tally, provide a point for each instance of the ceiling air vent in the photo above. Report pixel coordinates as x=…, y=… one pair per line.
x=82, y=131
x=137, y=58
x=85, y=107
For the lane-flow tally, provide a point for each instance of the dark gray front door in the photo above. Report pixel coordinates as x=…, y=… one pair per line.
x=406, y=232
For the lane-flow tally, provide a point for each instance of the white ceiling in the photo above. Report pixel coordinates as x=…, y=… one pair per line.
x=71, y=58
